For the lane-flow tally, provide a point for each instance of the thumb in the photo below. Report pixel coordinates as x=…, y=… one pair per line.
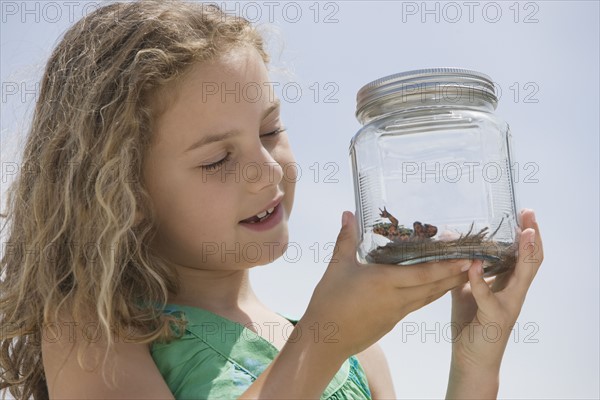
x=484, y=297
x=347, y=240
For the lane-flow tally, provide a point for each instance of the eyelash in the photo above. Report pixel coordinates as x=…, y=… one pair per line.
x=213, y=166
x=216, y=165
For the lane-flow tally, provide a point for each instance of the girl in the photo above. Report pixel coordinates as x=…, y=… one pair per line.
x=141, y=181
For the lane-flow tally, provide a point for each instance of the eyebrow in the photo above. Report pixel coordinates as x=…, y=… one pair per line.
x=218, y=137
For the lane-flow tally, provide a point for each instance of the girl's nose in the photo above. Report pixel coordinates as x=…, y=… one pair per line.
x=262, y=171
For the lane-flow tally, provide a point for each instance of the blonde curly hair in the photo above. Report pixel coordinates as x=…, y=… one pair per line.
x=74, y=240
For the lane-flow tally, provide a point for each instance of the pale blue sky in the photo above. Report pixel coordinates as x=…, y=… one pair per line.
x=544, y=56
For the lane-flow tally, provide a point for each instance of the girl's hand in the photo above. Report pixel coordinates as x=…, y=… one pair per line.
x=352, y=307
x=355, y=304
x=484, y=313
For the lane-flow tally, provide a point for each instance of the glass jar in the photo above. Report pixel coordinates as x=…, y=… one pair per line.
x=432, y=171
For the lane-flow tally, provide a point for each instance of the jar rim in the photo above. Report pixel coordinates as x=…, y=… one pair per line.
x=423, y=81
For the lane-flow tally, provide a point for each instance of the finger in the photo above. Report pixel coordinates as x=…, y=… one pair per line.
x=538, y=237
x=528, y=220
x=527, y=262
x=509, y=279
x=481, y=291
x=347, y=240
x=418, y=296
x=404, y=276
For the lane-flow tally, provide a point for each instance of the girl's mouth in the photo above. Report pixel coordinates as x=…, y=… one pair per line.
x=259, y=217
x=264, y=220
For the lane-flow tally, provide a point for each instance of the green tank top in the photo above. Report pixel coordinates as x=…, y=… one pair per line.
x=217, y=358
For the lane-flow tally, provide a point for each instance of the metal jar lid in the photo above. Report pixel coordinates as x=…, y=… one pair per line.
x=424, y=79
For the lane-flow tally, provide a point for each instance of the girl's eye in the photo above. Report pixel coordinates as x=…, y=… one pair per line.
x=275, y=132
x=213, y=166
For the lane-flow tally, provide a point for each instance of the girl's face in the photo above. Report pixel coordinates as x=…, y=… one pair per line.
x=203, y=188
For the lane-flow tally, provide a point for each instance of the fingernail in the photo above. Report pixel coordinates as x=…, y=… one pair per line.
x=466, y=266
x=344, y=218
x=533, y=217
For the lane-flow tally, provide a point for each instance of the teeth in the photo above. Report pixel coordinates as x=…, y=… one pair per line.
x=262, y=214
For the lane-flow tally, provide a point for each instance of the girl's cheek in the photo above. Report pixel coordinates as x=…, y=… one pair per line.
x=226, y=173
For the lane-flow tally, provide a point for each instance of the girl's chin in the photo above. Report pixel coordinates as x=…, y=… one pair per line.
x=251, y=254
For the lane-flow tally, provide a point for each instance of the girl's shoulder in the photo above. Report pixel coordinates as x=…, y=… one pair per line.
x=219, y=358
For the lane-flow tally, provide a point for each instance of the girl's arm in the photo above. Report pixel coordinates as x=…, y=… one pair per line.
x=302, y=369
x=306, y=361
x=137, y=376
x=476, y=359
x=378, y=373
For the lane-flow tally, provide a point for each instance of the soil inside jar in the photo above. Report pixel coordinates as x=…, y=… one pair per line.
x=498, y=256
x=418, y=245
